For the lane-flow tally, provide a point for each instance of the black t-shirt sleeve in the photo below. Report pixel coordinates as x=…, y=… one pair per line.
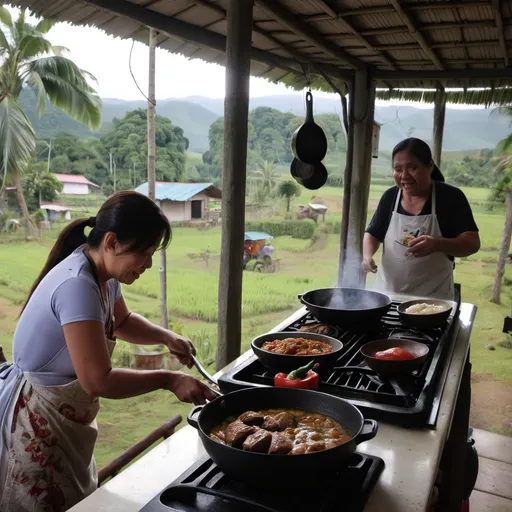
x=379, y=224
x=455, y=216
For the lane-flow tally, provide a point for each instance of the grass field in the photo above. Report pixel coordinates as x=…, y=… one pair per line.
x=267, y=300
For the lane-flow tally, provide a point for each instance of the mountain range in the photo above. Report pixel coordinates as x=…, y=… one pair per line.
x=465, y=129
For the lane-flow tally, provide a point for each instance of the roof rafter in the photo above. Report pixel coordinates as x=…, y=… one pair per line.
x=499, y=27
x=417, y=34
x=335, y=16
x=272, y=7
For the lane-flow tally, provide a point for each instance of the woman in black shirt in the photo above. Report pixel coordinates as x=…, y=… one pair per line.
x=423, y=223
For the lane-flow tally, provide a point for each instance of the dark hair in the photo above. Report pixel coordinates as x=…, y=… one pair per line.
x=421, y=151
x=134, y=218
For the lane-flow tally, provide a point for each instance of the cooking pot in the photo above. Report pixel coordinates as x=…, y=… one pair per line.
x=346, y=306
x=288, y=362
x=268, y=470
x=431, y=321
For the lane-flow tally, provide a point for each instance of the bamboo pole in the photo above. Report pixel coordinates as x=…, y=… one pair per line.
x=438, y=129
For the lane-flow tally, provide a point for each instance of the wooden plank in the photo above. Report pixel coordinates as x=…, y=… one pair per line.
x=363, y=98
x=438, y=128
x=501, y=31
x=493, y=446
x=487, y=74
x=236, y=112
x=494, y=477
x=483, y=502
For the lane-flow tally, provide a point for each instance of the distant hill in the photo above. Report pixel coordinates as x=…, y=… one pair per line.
x=464, y=129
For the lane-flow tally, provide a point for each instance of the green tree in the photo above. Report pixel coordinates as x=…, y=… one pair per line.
x=266, y=176
x=288, y=189
x=29, y=60
x=40, y=185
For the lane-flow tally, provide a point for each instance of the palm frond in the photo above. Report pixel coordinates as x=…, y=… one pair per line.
x=32, y=45
x=67, y=88
x=60, y=50
x=5, y=17
x=45, y=25
x=4, y=43
x=504, y=146
x=17, y=136
x=35, y=82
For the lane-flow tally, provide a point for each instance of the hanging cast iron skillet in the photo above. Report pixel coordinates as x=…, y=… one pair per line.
x=309, y=143
x=288, y=362
x=346, y=306
x=290, y=470
x=310, y=176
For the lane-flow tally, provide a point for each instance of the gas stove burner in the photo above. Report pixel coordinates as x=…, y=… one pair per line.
x=409, y=401
x=204, y=487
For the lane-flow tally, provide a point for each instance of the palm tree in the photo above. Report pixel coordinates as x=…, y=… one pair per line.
x=29, y=60
x=503, y=190
x=267, y=176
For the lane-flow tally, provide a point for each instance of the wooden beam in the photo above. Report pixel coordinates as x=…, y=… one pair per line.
x=363, y=100
x=151, y=115
x=438, y=127
x=487, y=74
x=345, y=24
x=501, y=33
x=432, y=26
x=416, y=34
x=286, y=18
x=236, y=112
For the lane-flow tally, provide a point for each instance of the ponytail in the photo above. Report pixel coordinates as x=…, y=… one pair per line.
x=71, y=237
x=436, y=173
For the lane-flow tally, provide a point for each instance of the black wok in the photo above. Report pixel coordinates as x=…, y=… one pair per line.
x=309, y=143
x=310, y=176
x=265, y=469
x=287, y=363
x=346, y=306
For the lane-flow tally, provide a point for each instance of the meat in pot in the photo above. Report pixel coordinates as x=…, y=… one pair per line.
x=282, y=431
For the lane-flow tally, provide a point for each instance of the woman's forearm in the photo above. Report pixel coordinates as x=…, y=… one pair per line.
x=136, y=329
x=125, y=383
x=370, y=246
x=464, y=245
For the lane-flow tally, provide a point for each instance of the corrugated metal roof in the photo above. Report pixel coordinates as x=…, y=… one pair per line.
x=257, y=235
x=180, y=191
x=292, y=39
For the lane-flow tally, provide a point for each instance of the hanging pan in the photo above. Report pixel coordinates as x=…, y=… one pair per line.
x=309, y=143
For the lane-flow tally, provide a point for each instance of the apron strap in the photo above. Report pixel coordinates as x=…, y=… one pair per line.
x=433, y=197
x=397, y=202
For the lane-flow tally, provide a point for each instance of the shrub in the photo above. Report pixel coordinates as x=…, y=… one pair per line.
x=38, y=216
x=303, y=229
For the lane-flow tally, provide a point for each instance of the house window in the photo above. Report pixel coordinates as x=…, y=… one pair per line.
x=197, y=209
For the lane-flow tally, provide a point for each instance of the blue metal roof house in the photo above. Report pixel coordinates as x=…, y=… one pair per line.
x=183, y=202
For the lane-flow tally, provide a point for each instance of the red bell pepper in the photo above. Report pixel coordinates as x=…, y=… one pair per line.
x=301, y=378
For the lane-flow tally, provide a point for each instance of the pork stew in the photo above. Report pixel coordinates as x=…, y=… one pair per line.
x=280, y=431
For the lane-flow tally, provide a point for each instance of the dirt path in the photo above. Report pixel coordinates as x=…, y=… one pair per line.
x=491, y=404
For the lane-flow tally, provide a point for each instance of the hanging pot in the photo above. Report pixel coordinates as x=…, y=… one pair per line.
x=309, y=143
x=310, y=176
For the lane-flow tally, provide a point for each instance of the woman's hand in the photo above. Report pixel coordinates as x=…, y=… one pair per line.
x=182, y=348
x=423, y=245
x=189, y=389
x=369, y=265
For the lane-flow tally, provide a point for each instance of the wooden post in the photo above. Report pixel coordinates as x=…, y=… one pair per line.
x=363, y=101
x=438, y=129
x=236, y=111
x=164, y=319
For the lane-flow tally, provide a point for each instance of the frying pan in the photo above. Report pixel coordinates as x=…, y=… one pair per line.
x=310, y=176
x=288, y=362
x=268, y=470
x=346, y=306
x=425, y=321
x=390, y=368
x=309, y=143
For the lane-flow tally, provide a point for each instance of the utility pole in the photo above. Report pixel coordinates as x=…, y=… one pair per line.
x=152, y=170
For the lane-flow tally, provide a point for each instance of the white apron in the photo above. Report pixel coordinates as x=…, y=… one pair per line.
x=399, y=273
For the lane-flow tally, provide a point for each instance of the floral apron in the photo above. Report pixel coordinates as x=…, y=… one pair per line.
x=51, y=466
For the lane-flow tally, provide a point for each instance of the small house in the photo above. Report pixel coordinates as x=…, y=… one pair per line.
x=183, y=202
x=75, y=184
x=55, y=212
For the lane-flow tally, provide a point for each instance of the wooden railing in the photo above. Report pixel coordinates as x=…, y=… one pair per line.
x=114, y=467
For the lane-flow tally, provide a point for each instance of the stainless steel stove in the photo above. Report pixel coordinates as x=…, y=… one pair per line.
x=410, y=401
